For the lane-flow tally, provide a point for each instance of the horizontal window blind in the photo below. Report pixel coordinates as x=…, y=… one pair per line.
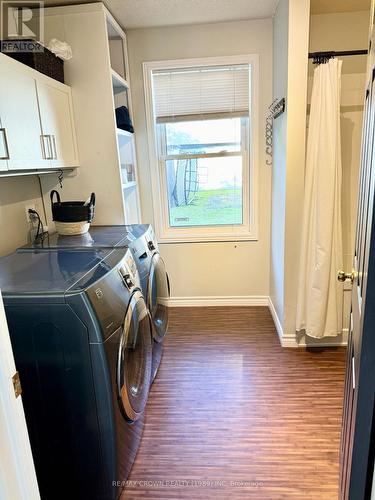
x=201, y=93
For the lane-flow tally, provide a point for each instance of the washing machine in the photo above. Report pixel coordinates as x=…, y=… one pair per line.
x=152, y=271
x=81, y=336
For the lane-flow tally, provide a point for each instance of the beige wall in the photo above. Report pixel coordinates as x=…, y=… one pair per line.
x=15, y=193
x=341, y=31
x=208, y=269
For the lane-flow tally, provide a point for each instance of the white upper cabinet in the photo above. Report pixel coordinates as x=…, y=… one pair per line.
x=55, y=107
x=36, y=117
x=19, y=114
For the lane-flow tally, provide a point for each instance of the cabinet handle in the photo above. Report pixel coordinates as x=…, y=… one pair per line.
x=54, y=147
x=43, y=138
x=50, y=157
x=43, y=146
x=5, y=142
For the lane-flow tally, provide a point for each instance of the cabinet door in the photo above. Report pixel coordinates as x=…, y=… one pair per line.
x=57, y=123
x=20, y=120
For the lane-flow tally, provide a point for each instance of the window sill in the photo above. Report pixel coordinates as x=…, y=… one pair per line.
x=206, y=239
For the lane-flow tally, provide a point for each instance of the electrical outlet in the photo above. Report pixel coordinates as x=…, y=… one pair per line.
x=27, y=208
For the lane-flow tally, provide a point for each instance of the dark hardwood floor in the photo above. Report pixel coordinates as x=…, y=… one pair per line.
x=233, y=415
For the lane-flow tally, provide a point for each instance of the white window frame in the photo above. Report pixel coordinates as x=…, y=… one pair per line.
x=247, y=231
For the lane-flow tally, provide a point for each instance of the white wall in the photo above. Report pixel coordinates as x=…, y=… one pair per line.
x=280, y=89
x=291, y=29
x=208, y=269
x=298, y=47
x=15, y=193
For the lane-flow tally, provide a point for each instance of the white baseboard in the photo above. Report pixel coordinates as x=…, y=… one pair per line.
x=306, y=341
x=276, y=320
x=259, y=300
x=197, y=301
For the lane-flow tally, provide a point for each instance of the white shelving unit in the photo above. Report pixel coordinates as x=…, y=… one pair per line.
x=98, y=74
x=118, y=55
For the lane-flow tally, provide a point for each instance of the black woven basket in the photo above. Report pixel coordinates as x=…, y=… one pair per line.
x=44, y=61
x=72, y=211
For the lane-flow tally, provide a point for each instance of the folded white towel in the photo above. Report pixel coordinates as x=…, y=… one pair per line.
x=61, y=49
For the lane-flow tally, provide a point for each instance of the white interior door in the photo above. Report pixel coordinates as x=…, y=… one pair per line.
x=20, y=118
x=17, y=474
x=57, y=123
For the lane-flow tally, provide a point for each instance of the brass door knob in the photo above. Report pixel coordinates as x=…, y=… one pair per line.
x=343, y=276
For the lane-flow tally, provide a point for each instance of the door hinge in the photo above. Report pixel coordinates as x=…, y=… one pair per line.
x=17, y=384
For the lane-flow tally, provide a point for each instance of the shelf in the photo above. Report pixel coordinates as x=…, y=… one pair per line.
x=119, y=84
x=128, y=185
x=124, y=133
x=46, y=171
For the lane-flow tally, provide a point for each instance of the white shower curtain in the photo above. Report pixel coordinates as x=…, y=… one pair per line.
x=320, y=295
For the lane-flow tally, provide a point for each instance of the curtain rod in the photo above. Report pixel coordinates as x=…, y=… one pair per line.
x=317, y=55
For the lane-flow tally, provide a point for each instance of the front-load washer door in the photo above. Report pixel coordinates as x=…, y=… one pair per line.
x=158, y=292
x=134, y=359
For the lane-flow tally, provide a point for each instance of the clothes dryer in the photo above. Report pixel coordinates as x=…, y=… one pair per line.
x=155, y=284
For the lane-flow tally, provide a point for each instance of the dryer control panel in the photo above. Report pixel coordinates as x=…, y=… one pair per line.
x=110, y=295
x=151, y=242
x=128, y=272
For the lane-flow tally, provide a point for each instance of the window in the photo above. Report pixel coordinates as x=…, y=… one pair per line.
x=202, y=137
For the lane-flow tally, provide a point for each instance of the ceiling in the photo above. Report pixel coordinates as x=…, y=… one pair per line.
x=152, y=13
x=331, y=6
x=149, y=13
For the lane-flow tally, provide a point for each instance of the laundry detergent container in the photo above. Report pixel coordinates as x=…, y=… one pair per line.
x=72, y=217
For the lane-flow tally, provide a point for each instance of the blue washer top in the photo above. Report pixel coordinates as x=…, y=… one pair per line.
x=52, y=273
x=97, y=237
